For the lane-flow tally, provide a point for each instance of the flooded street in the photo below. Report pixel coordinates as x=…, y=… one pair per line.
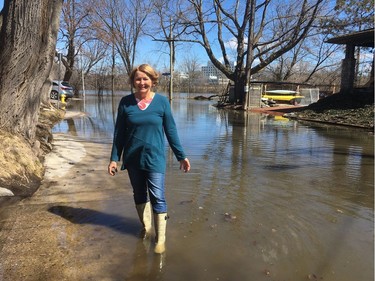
x=267, y=199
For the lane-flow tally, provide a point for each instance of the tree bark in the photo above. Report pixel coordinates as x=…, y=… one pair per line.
x=239, y=86
x=27, y=47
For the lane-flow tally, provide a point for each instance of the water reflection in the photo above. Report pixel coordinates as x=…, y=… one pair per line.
x=267, y=197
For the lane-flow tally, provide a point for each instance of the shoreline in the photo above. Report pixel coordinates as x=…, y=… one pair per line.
x=297, y=113
x=51, y=159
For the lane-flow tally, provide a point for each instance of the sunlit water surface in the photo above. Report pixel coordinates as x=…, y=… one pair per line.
x=267, y=198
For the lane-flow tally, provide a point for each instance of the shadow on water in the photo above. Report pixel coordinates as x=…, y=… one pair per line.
x=89, y=216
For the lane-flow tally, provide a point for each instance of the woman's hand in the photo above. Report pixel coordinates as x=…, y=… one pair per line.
x=185, y=165
x=112, y=168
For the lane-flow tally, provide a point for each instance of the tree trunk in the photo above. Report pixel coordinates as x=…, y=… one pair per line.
x=239, y=89
x=69, y=63
x=27, y=47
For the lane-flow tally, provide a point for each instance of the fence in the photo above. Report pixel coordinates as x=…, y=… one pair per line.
x=311, y=95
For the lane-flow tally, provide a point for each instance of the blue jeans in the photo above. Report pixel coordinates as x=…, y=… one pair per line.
x=148, y=186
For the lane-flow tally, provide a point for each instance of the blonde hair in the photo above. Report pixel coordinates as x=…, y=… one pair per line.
x=148, y=70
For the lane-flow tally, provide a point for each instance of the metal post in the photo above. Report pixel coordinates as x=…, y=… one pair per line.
x=171, y=55
x=249, y=57
x=83, y=86
x=59, y=82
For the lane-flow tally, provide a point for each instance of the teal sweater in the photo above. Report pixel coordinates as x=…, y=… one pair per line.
x=139, y=135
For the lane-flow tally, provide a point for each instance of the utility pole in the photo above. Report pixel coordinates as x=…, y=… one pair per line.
x=59, y=89
x=113, y=62
x=83, y=84
x=171, y=60
x=249, y=58
x=170, y=39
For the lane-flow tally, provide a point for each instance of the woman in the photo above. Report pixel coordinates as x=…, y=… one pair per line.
x=142, y=120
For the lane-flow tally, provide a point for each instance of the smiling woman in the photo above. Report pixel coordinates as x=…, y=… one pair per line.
x=143, y=119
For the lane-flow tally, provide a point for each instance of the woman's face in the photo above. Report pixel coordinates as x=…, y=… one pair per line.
x=142, y=83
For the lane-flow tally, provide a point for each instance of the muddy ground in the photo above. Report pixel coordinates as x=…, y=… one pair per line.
x=65, y=230
x=355, y=110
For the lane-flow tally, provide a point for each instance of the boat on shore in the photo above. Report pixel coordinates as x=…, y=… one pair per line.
x=283, y=96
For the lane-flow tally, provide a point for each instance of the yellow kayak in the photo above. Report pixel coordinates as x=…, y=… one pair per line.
x=292, y=97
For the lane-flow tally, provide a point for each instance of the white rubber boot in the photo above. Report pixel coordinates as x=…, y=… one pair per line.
x=145, y=216
x=160, y=229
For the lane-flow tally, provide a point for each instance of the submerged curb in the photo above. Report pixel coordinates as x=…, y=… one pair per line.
x=331, y=123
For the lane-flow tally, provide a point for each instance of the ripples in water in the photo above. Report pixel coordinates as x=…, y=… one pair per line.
x=266, y=197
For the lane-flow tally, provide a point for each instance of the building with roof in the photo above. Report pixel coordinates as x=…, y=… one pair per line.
x=363, y=38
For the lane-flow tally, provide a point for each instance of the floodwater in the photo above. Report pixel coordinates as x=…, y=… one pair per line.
x=267, y=198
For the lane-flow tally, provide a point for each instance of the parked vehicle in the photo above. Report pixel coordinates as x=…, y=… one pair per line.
x=65, y=88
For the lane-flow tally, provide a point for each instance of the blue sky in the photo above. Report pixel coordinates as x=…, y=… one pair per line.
x=158, y=54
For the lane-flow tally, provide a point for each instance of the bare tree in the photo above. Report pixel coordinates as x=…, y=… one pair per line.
x=275, y=31
x=349, y=16
x=304, y=61
x=75, y=31
x=312, y=55
x=191, y=67
x=27, y=46
x=93, y=52
x=166, y=14
x=120, y=24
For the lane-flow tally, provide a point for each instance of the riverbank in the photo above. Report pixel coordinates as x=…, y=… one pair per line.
x=353, y=110
x=23, y=166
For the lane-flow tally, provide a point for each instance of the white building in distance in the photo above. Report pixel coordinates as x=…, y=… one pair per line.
x=213, y=75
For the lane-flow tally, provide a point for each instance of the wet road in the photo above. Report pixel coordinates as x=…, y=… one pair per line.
x=267, y=199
